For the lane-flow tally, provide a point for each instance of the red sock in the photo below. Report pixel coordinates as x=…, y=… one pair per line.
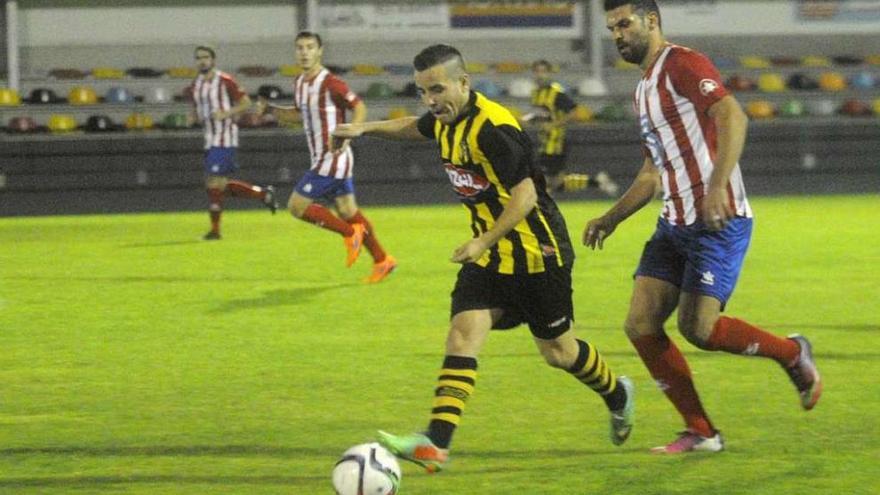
x=215, y=197
x=739, y=337
x=324, y=218
x=673, y=376
x=237, y=188
x=370, y=239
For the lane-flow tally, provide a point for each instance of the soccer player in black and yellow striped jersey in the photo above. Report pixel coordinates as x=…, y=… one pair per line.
x=516, y=267
x=552, y=110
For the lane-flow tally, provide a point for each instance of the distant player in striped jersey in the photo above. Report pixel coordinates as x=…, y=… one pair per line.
x=552, y=111
x=321, y=100
x=693, y=132
x=217, y=100
x=515, y=268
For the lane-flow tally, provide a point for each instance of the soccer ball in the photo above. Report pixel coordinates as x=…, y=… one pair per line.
x=366, y=469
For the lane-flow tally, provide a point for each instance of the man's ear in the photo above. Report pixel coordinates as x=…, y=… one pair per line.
x=465, y=80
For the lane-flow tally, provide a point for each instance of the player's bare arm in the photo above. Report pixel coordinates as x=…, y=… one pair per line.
x=241, y=106
x=523, y=199
x=402, y=129
x=284, y=114
x=643, y=189
x=732, y=124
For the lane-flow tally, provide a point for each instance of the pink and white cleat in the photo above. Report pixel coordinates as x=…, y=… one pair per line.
x=689, y=441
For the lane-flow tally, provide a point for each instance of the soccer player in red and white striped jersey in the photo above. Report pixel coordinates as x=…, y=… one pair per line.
x=693, y=133
x=217, y=100
x=321, y=101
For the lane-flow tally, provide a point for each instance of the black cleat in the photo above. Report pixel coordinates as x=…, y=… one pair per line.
x=269, y=200
x=212, y=236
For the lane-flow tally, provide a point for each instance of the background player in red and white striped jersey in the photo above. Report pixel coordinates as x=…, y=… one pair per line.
x=321, y=100
x=217, y=100
x=693, y=134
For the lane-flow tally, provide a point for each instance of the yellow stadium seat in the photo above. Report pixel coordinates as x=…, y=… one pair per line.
x=876, y=106
x=509, y=67
x=182, y=72
x=582, y=113
x=82, y=95
x=754, y=62
x=398, y=113
x=61, y=123
x=760, y=109
x=832, y=81
x=139, y=121
x=290, y=70
x=816, y=61
x=108, y=73
x=873, y=59
x=367, y=70
x=9, y=97
x=476, y=68
x=771, y=82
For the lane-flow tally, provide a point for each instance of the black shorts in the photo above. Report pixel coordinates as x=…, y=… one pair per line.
x=551, y=164
x=543, y=300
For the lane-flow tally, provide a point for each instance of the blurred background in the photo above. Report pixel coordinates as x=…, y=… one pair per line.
x=93, y=112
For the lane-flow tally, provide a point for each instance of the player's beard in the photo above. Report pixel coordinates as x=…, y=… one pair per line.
x=636, y=53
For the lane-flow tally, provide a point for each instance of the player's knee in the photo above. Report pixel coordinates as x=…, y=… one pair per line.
x=556, y=358
x=696, y=331
x=638, y=325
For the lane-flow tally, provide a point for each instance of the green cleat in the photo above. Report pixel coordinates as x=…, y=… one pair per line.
x=622, y=419
x=417, y=448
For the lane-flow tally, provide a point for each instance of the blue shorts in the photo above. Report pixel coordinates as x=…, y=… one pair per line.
x=314, y=186
x=696, y=259
x=220, y=161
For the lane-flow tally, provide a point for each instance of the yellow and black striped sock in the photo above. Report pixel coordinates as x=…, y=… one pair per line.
x=591, y=370
x=454, y=386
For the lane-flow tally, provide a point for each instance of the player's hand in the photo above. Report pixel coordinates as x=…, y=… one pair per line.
x=342, y=135
x=716, y=209
x=596, y=231
x=262, y=106
x=220, y=114
x=468, y=252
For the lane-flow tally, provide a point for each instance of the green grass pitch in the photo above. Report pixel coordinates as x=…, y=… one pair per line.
x=137, y=359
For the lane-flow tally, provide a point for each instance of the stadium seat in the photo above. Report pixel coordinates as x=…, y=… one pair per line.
x=754, y=62
x=724, y=63
x=784, y=61
x=863, y=80
x=256, y=71
x=848, y=60
x=832, y=82
x=873, y=59
x=582, y=113
x=270, y=92
x=337, y=69
x=9, y=98
x=410, y=90
x=43, y=96
x=367, y=70
x=521, y=87
x=802, y=82
x=61, y=123
x=398, y=113
x=22, y=125
x=740, y=83
x=158, y=95
x=100, y=123
x=68, y=73
x=82, y=95
x=771, y=82
x=792, y=109
x=876, y=106
x=175, y=121
x=821, y=107
x=118, y=95
x=592, y=87
x=816, y=61
x=399, y=69
x=379, y=90
x=182, y=72
x=508, y=67
x=855, y=108
x=138, y=121
x=144, y=72
x=488, y=88
x=290, y=70
x=108, y=73
x=612, y=112
x=476, y=68
x=760, y=109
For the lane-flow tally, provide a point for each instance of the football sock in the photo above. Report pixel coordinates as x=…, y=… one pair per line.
x=324, y=218
x=237, y=188
x=215, y=208
x=370, y=239
x=591, y=370
x=739, y=337
x=454, y=386
x=672, y=374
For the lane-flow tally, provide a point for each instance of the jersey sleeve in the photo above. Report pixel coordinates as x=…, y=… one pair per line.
x=426, y=125
x=695, y=77
x=509, y=151
x=341, y=94
x=564, y=103
x=236, y=91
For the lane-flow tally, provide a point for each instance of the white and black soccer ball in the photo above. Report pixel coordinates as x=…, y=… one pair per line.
x=367, y=469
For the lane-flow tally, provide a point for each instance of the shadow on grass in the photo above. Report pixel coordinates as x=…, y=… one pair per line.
x=161, y=244
x=125, y=279
x=281, y=297
x=174, y=450
x=177, y=479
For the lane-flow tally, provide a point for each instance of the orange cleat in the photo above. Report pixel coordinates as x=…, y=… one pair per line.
x=381, y=270
x=354, y=243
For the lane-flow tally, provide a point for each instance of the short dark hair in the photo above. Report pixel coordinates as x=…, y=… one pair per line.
x=542, y=63
x=436, y=55
x=309, y=34
x=641, y=7
x=206, y=48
